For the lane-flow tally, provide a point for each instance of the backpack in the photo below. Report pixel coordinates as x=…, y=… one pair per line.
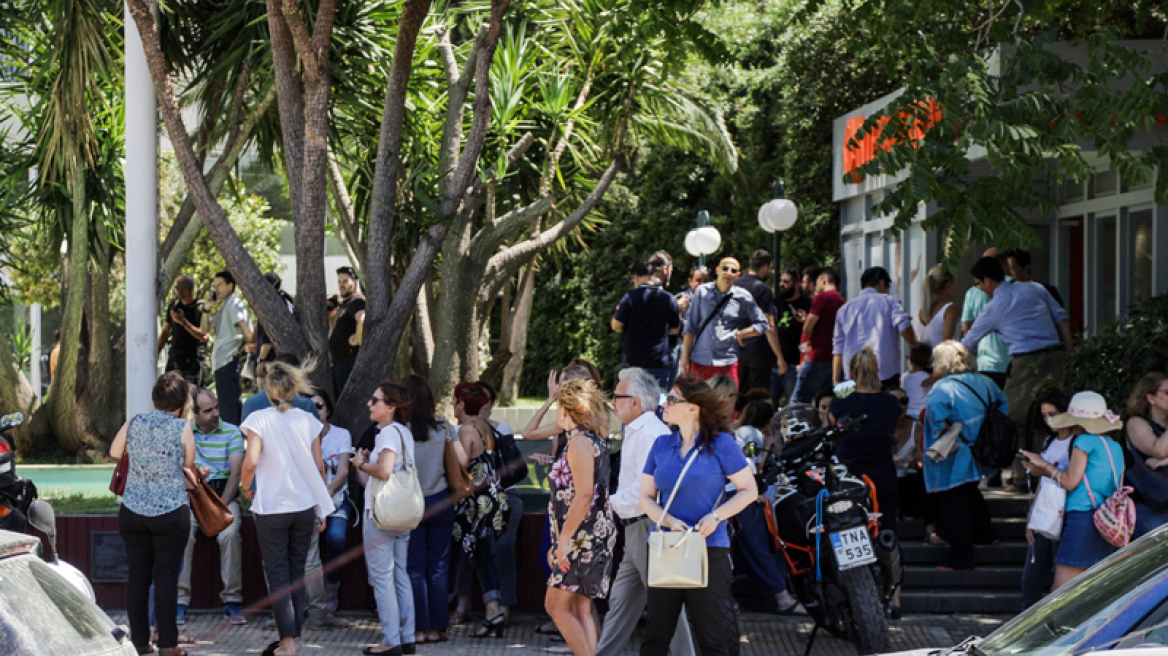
x=510, y=463
x=996, y=443
x=1115, y=518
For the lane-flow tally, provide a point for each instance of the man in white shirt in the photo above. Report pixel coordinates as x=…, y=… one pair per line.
x=635, y=403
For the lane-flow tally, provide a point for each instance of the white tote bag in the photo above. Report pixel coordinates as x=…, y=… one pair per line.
x=398, y=504
x=1046, y=517
x=678, y=559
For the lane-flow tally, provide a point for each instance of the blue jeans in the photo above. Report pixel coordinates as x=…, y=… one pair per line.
x=504, y=552
x=783, y=387
x=813, y=376
x=429, y=564
x=1038, y=572
x=386, y=554
x=335, y=538
x=674, y=363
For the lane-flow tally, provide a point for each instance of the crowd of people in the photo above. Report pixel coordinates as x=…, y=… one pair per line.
x=703, y=373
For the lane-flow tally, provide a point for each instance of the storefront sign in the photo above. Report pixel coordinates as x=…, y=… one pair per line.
x=858, y=152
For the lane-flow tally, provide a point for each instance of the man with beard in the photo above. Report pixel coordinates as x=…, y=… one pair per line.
x=187, y=327
x=791, y=308
x=348, y=326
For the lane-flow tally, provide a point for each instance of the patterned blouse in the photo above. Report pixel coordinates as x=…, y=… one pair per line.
x=154, y=485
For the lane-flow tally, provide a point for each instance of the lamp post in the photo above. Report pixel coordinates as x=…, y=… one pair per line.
x=704, y=239
x=775, y=216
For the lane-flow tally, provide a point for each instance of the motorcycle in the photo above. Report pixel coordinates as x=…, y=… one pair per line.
x=826, y=523
x=20, y=507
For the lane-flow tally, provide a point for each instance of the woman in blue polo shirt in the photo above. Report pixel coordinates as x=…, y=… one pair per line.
x=703, y=419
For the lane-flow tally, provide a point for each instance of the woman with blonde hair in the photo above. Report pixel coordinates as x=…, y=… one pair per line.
x=959, y=396
x=289, y=497
x=582, y=525
x=938, y=313
x=1147, y=409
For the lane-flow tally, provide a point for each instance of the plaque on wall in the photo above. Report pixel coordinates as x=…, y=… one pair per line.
x=107, y=558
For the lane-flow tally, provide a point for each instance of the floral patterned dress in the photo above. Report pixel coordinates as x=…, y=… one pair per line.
x=486, y=513
x=590, y=569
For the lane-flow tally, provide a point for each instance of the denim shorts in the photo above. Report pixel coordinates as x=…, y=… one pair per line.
x=1081, y=545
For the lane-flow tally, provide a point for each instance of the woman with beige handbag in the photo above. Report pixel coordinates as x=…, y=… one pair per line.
x=689, y=564
x=387, y=550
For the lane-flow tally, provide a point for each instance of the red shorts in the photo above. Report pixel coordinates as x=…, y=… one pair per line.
x=706, y=372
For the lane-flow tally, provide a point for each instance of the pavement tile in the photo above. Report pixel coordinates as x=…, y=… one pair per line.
x=762, y=635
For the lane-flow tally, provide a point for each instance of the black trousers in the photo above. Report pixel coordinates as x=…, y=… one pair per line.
x=228, y=391
x=754, y=370
x=189, y=366
x=284, y=540
x=711, y=612
x=154, y=549
x=965, y=521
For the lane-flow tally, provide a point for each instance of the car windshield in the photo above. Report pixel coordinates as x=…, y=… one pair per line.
x=1067, y=617
x=41, y=613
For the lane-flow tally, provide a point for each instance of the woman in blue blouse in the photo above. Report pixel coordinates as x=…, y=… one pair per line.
x=154, y=518
x=703, y=419
x=1095, y=472
x=959, y=396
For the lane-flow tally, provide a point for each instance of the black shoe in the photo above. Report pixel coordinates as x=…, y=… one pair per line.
x=492, y=627
x=410, y=648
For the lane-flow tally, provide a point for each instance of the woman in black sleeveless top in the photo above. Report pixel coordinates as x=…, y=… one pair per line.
x=1147, y=448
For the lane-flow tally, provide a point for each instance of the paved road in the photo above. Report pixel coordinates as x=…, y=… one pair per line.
x=763, y=635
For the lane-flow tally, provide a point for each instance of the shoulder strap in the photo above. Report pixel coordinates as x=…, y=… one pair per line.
x=407, y=460
x=717, y=308
x=665, y=511
x=968, y=387
x=1111, y=459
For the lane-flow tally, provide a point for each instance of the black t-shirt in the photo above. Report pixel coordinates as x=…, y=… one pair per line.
x=790, y=330
x=764, y=298
x=182, y=343
x=648, y=313
x=344, y=327
x=873, y=443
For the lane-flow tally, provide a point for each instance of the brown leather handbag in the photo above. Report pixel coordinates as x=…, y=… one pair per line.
x=122, y=471
x=209, y=510
x=457, y=478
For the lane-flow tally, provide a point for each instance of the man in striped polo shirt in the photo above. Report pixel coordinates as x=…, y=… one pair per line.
x=219, y=448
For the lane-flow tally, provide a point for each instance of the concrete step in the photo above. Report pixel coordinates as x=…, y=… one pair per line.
x=957, y=600
x=1007, y=504
x=1008, y=528
x=1002, y=579
x=1009, y=552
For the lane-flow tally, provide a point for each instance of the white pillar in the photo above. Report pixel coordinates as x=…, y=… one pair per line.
x=141, y=175
x=34, y=324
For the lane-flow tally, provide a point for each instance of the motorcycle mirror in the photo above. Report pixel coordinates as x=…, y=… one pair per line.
x=12, y=419
x=44, y=519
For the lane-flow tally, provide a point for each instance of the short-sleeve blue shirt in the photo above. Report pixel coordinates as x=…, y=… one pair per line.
x=1098, y=473
x=704, y=481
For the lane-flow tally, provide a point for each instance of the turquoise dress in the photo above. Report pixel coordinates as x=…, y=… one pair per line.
x=154, y=483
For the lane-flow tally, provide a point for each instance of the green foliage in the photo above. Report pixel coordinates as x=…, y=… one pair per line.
x=20, y=337
x=1115, y=358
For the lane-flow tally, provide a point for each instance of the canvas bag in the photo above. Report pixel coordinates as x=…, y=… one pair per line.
x=398, y=504
x=1050, y=506
x=678, y=559
x=1116, y=518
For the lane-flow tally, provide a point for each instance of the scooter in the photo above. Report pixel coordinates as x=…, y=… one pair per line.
x=842, y=567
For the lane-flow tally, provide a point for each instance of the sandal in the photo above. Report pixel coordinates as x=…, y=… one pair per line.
x=458, y=617
x=795, y=609
x=437, y=637
x=270, y=650
x=552, y=631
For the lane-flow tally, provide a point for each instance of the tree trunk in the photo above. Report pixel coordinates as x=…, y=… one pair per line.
x=520, y=318
x=97, y=398
x=63, y=399
x=18, y=396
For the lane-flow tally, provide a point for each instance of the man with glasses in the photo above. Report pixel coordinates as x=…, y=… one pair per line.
x=721, y=317
x=635, y=403
x=219, y=448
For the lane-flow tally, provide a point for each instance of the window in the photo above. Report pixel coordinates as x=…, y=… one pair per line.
x=1072, y=191
x=1104, y=183
x=1139, y=255
x=1103, y=287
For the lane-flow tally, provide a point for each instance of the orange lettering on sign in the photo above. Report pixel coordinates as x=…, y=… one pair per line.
x=858, y=152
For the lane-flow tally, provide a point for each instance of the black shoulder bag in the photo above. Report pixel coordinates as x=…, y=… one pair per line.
x=997, y=440
x=717, y=308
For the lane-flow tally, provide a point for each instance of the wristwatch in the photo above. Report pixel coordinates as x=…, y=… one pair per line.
x=715, y=515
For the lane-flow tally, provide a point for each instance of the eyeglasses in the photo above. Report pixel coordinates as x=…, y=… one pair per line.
x=622, y=396
x=729, y=269
x=374, y=400
x=320, y=405
x=674, y=400
x=1162, y=391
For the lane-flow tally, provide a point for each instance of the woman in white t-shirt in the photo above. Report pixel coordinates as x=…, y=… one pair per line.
x=336, y=448
x=289, y=499
x=387, y=552
x=1038, y=572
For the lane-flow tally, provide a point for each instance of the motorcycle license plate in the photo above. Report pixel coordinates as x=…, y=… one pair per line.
x=853, y=548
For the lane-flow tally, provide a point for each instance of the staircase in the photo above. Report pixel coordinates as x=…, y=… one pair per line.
x=993, y=587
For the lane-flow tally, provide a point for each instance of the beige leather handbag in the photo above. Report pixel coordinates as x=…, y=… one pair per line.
x=678, y=559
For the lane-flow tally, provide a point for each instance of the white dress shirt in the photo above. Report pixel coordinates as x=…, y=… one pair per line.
x=871, y=320
x=638, y=442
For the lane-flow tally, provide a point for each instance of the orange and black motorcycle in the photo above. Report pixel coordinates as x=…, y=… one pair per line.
x=16, y=494
x=826, y=524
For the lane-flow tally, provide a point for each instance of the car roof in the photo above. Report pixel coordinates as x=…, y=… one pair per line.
x=12, y=543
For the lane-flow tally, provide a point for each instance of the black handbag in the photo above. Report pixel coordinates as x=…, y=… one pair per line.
x=996, y=443
x=511, y=465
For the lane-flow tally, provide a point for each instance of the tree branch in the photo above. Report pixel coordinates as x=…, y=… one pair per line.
x=262, y=297
x=295, y=22
x=455, y=104
x=345, y=216
x=291, y=101
x=487, y=240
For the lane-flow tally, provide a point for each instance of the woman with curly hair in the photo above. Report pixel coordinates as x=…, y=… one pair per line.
x=583, y=530
x=703, y=440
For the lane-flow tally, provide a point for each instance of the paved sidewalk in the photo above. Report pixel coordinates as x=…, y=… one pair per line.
x=762, y=635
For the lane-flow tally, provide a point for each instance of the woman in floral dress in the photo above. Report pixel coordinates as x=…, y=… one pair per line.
x=480, y=518
x=583, y=532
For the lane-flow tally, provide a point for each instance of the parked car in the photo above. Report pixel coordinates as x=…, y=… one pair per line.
x=1119, y=604
x=43, y=614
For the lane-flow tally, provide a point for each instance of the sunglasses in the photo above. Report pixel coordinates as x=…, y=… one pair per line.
x=729, y=269
x=674, y=400
x=374, y=400
x=320, y=405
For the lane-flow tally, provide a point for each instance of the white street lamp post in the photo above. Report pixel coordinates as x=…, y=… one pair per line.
x=775, y=216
